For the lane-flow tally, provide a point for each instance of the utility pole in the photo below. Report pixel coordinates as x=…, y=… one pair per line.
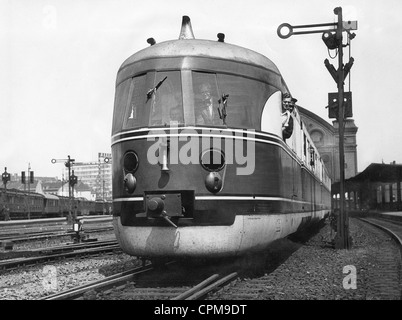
x=333, y=39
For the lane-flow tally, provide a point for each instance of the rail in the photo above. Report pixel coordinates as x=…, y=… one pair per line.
x=58, y=253
x=108, y=282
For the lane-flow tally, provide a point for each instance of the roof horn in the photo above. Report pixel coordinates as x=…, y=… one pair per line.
x=186, y=31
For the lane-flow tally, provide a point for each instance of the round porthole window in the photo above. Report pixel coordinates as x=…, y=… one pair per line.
x=130, y=161
x=213, y=160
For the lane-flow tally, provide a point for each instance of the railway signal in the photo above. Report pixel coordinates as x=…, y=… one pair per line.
x=69, y=164
x=5, y=177
x=333, y=39
x=28, y=181
x=72, y=179
x=31, y=178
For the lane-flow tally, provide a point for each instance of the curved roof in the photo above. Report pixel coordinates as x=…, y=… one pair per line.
x=316, y=118
x=202, y=48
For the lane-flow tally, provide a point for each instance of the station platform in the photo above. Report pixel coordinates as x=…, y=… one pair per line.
x=392, y=213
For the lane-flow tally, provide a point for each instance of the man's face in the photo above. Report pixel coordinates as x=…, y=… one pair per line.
x=205, y=95
x=287, y=103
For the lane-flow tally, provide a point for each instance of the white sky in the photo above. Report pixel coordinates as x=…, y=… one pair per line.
x=59, y=60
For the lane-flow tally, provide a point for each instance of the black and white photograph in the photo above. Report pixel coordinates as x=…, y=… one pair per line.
x=233, y=153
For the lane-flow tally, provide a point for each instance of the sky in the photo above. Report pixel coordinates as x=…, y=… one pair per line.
x=59, y=60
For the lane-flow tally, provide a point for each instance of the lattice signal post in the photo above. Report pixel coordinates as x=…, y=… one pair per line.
x=333, y=39
x=100, y=180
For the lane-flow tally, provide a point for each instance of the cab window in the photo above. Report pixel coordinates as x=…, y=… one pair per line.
x=154, y=99
x=229, y=100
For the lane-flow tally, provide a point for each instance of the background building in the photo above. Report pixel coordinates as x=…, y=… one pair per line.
x=97, y=175
x=326, y=139
x=378, y=187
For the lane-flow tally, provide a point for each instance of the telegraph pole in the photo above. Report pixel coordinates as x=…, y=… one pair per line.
x=333, y=39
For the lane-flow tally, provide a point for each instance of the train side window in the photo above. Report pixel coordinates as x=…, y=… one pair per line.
x=271, y=113
x=134, y=101
x=120, y=102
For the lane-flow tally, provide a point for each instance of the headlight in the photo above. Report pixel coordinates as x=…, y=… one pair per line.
x=130, y=182
x=213, y=182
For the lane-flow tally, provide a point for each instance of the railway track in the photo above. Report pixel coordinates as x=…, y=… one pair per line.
x=20, y=231
x=391, y=275
x=41, y=255
x=12, y=228
x=391, y=227
x=127, y=283
x=47, y=235
x=116, y=280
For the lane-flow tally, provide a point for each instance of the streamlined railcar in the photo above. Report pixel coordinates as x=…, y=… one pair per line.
x=201, y=167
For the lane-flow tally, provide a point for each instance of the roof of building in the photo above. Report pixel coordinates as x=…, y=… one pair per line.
x=46, y=187
x=379, y=172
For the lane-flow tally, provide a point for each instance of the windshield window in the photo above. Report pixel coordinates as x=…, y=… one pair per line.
x=229, y=100
x=135, y=114
x=165, y=102
x=154, y=99
x=206, y=96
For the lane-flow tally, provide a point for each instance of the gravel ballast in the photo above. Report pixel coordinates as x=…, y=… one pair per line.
x=293, y=270
x=315, y=270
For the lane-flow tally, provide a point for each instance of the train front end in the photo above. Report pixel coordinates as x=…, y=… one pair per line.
x=189, y=181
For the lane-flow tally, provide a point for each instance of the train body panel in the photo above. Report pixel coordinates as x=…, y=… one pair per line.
x=248, y=233
x=186, y=187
